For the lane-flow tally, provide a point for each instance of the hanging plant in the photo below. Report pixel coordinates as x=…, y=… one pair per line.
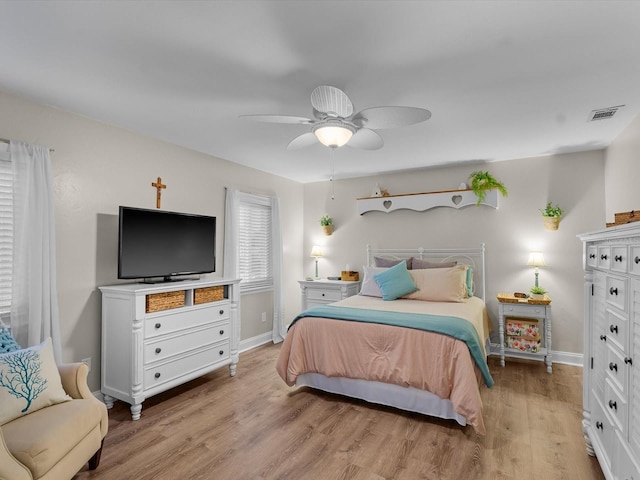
x=481, y=182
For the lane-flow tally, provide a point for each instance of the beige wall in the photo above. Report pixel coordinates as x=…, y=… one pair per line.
x=99, y=167
x=622, y=171
x=575, y=181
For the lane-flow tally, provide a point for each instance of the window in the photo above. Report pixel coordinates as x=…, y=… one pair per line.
x=255, y=266
x=6, y=233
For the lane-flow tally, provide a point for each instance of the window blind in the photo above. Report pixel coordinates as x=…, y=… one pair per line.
x=254, y=252
x=6, y=234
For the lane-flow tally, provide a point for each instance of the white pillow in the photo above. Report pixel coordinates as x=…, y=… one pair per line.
x=440, y=284
x=29, y=381
x=370, y=287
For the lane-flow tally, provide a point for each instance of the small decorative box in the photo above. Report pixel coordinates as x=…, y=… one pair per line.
x=350, y=276
x=520, y=327
x=524, y=344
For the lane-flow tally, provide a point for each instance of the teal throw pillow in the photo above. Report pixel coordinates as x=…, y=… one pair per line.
x=395, y=282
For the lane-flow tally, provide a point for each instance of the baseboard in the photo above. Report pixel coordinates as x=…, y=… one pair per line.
x=566, y=358
x=254, y=342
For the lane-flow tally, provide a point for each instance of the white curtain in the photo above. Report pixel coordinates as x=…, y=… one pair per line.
x=34, y=301
x=230, y=268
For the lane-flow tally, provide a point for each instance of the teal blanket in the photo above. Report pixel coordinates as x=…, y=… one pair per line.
x=446, y=325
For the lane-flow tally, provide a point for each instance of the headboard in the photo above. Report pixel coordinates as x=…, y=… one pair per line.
x=467, y=256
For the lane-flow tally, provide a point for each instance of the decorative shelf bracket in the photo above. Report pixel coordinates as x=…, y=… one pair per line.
x=425, y=201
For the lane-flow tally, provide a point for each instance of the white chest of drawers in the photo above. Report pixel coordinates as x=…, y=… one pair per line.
x=611, y=386
x=145, y=352
x=321, y=292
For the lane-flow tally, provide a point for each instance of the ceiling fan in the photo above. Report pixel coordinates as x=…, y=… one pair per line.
x=334, y=123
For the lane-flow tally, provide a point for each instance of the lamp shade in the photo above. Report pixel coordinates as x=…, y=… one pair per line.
x=316, y=251
x=536, y=260
x=333, y=134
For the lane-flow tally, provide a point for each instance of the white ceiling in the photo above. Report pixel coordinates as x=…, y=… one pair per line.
x=503, y=79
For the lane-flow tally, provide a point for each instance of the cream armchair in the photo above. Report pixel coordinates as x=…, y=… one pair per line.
x=54, y=443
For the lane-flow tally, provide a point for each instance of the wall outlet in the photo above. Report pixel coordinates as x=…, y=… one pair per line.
x=87, y=361
x=264, y=316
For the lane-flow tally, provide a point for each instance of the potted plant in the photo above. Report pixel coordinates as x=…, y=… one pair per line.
x=326, y=222
x=481, y=182
x=537, y=293
x=551, y=215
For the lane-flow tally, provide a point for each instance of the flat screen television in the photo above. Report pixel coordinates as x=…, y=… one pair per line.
x=156, y=245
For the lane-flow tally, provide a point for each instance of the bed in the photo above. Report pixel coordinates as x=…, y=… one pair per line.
x=423, y=351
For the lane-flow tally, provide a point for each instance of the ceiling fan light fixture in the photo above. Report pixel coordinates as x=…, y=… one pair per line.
x=333, y=134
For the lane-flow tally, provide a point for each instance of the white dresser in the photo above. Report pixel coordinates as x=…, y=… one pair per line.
x=155, y=337
x=611, y=386
x=321, y=292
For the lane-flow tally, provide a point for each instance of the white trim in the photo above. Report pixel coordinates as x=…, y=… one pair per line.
x=566, y=358
x=254, y=342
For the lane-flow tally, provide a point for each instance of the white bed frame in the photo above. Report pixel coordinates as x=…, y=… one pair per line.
x=409, y=399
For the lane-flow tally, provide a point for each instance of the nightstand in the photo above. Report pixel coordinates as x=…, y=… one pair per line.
x=514, y=313
x=322, y=291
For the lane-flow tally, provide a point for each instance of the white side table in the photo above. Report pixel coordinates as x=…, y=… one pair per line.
x=509, y=306
x=322, y=291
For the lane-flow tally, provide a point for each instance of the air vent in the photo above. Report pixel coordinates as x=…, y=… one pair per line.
x=603, y=113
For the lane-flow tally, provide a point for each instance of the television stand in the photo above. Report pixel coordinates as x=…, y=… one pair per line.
x=158, y=336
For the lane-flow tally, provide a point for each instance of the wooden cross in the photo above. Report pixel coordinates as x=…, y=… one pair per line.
x=159, y=186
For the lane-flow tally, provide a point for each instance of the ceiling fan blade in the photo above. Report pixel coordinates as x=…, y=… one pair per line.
x=366, y=139
x=331, y=100
x=279, y=119
x=302, y=141
x=390, y=117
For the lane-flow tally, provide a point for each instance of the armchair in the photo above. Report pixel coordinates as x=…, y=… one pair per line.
x=55, y=442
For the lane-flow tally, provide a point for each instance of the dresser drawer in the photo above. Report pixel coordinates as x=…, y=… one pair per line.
x=634, y=259
x=163, y=372
x=616, y=292
x=328, y=295
x=592, y=256
x=173, y=322
x=604, y=257
x=616, y=405
x=617, y=370
x=619, y=260
x=530, y=311
x=603, y=431
x=167, y=346
x=616, y=330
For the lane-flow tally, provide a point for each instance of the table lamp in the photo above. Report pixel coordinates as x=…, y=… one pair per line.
x=536, y=260
x=316, y=252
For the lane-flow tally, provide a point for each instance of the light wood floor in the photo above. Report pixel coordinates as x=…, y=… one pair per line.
x=255, y=427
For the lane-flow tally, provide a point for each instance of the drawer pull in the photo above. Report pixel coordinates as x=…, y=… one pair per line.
x=604, y=257
x=613, y=405
x=158, y=350
x=592, y=255
x=599, y=425
x=613, y=328
x=636, y=260
x=158, y=325
x=603, y=337
x=618, y=258
x=628, y=361
x=221, y=352
x=323, y=294
x=613, y=291
x=221, y=312
x=157, y=375
x=613, y=366
x=221, y=332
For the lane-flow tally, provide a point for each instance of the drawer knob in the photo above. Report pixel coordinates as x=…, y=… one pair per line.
x=613, y=405
x=636, y=260
x=604, y=257
x=221, y=312
x=613, y=291
x=221, y=352
x=158, y=350
x=592, y=255
x=221, y=332
x=618, y=258
x=599, y=425
x=628, y=361
x=158, y=325
x=157, y=375
x=613, y=366
x=603, y=337
x=613, y=328
x=323, y=294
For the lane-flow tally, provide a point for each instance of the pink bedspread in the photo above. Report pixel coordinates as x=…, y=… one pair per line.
x=429, y=361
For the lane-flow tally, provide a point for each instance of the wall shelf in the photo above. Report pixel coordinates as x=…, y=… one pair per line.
x=424, y=201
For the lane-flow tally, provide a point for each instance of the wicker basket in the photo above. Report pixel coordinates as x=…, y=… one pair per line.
x=164, y=301
x=551, y=223
x=208, y=294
